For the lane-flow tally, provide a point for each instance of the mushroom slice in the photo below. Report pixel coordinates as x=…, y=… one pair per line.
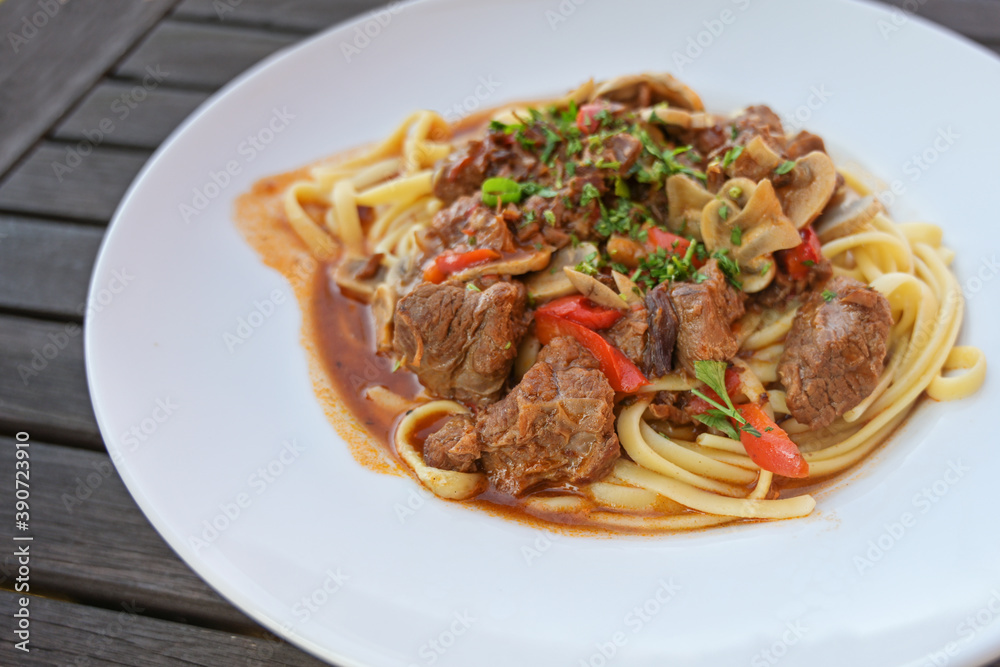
x=629, y=291
x=667, y=115
x=522, y=262
x=763, y=226
x=595, y=290
x=847, y=218
x=359, y=276
x=383, y=308
x=814, y=180
x=685, y=200
x=662, y=88
x=551, y=282
x=757, y=161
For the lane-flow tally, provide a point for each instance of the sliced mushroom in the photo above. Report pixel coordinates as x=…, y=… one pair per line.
x=757, y=161
x=662, y=87
x=595, y=290
x=551, y=283
x=629, y=291
x=383, y=308
x=360, y=276
x=685, y=200
x=814, y=180
x=523, y=262
x=847, y=218
x=667, y=115
x=763, y=226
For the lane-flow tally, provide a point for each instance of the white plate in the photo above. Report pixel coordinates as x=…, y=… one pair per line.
x=190, y=424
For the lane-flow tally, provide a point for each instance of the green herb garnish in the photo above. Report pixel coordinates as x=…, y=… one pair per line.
x=785, y=167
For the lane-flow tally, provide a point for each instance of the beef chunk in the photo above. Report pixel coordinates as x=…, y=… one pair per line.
x=454, y=446
x=461, y=343
x=629, y=334
x=705, y=315
x=662, y=337
x=497, y=154
x=834, y=352
x=670, y=405
x=455, y=227
x=803, y=144
x=556, y=427
x=784, y=287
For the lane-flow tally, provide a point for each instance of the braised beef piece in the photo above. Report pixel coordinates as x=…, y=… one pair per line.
x=759, y=120
x=466, y=224
x=705, y=313
x=497, y=154
x=670, y=405
x=629, y=334
x=557, y=426
x=566, y=214
x=803, y=144
x=662, y=338
x=835, y=350
x=784, y=287
x=461, y=343
x=454, y=446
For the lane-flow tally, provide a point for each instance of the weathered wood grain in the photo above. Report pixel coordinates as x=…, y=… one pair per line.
x=52, y=182
x=206, y=56
x=72, y=634
x=42, y=72
x=43, y=385
x=303, y=15
x=130, y=114
x=96, y=545
x=46, y=266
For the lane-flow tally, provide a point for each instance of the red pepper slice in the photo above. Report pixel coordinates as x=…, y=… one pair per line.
x=622, y=374
x=673, y=244
x=446, y=264
x=585, y=118
x=583, y=311
x=797, y=261
x=773, y=450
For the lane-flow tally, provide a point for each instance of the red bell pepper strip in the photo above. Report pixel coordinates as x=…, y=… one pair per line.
x=622, y=374
x=673, y=244
x=773, y=450
x=585, y=118
x=583, y=311
x=446, y=264
x=797, y=261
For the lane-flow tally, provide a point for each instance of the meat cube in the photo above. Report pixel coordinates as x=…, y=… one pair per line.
x=662, y=337
x=454, y=446
x=461, y=343
x=556, y=427
x=835, y=351
x=705, y=313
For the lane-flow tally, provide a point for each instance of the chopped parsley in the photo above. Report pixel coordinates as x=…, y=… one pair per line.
x=507, y=346
x=785, y=167
x=590, y=193
x=733, y=132
x=728, y=266
x=765, y=268
x=736, y=236
x=397, y=365
x=724, y=212
x=472, y=287
x=550, y=217
x=829, y=296
x=713, y=374
x=735, y=192
x=731, y=155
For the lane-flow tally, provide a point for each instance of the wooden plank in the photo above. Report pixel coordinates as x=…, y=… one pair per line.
x=207, y=56
x=46, y=266
x=303, y=15
x=42, y=72
x=72, y=634
x=128, y=114
x=98, y=545
x=976, y=19
x=59, y=180
x=43, y=384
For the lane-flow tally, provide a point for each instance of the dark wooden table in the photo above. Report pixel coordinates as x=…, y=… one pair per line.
x=104, y=587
